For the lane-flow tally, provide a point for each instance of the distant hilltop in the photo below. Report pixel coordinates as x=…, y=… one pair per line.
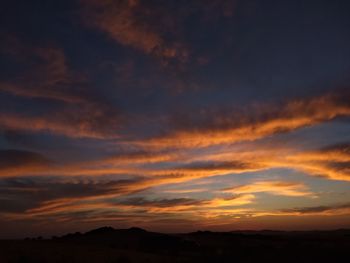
x=134, y=245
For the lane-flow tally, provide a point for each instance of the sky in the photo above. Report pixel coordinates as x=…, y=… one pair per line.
x=174, y=115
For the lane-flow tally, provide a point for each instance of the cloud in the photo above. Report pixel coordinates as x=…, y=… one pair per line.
x=77, y=123
x=192, y=208
x=339, y=153
x=272, y=187
x=212, y=166
x=333, y=209
x=141, y=157
x=25, y=198
x=140, y=201
x=186, y=191
x=93, y=201
x=207, y=128
x=18, y=161
x=206, y=169
x=332, y=162
x=326, y=210
x=175, y=203
x=14, y=158
x=235, y=200
x=131, y=23
x=179, y=167
x=69, y=206
x=26, y=194
x=46, y=75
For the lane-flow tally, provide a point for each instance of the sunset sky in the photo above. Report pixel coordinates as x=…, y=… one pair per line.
x=174, y=115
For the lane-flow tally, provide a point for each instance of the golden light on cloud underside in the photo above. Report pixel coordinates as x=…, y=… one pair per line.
x=101, y=206
x=294, y=115
x=272, y=187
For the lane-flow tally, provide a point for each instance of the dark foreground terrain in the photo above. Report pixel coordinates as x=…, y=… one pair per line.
x=137, y=245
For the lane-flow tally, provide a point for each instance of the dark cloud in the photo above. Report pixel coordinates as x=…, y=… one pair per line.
x=22, y=194
x=229, y=165
x=19, y=158
x=43, y=73
x=332, y=161
x=134, y=23
x=46, y=75
x=227, y=117
x=340, y=147
x=225, y=125
x=340, y=166
x=319, y=209
x=144, y=202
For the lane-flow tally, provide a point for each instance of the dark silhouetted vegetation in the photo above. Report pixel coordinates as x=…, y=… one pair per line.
x=137, y=245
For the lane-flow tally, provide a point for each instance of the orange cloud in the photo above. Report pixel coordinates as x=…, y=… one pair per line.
x=221, y=128
x=272, y=187
x=333, y=210
x=236, y=200
x=141, y=157
x=21, y=162
x=185, y=191
x=314, y=163
x=176, y=206
x=127, y=23
x=74, y=125
x=47, y=75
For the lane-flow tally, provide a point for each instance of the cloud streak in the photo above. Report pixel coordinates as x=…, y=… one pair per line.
x=227, y=128
x=48, y=76
x=129, y=23
x=22, y=162
x=81, y=114
x=272, y=187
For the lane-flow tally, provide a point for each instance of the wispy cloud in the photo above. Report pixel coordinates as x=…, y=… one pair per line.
x=22, y=162
x=47, y=76
x=82, y=123
x=326, y=210
x=215, y=128
x=129, y=23
x=272, y=187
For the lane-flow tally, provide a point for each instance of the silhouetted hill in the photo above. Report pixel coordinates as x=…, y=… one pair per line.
x=132, y=238
x=107, y=244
